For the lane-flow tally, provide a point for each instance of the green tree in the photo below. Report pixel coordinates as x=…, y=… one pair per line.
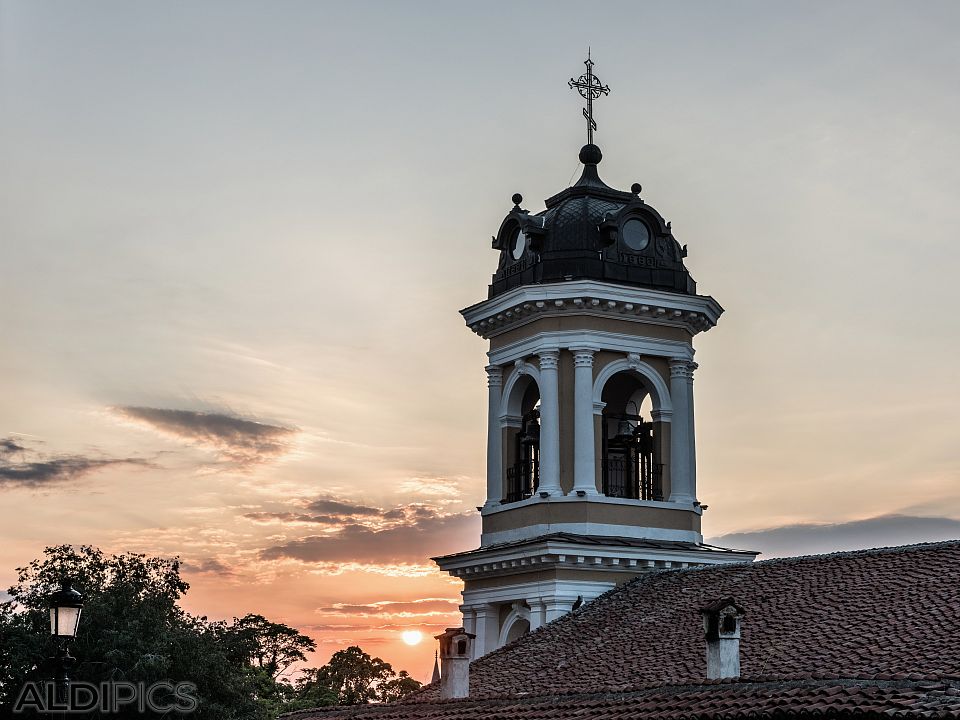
x=132, y=628
x=274, y=646
x=352, y=677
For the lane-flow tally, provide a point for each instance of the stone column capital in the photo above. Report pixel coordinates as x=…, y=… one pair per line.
x=494, y=375
x=682, y=368
x=549, y=359
x=661, y=415
x=582, y=357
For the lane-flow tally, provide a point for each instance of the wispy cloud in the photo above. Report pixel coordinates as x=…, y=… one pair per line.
x=395, y=608
x=209, y=566
x=240, y=441
x=324, y=511
x=404, y=535
x=815, y=538
x=25, y=468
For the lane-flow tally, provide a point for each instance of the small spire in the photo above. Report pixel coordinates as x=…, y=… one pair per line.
x=436, y=667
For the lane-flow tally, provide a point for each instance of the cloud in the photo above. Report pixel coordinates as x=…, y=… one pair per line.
x=406, y=534
x=340, y=507
x=210, y=566
x=23, y=467
x=432, y=487
x=815, y=538
x=8, y=447
x=242, y=442
x=333, y=511
x=396, y=608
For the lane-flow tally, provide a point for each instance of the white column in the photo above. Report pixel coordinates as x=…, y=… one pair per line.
x=584, y=459
x=487, y=630
x=537, y=608
x=692, y=432
x=557, y=608
x=494, y=437
x=682, y=451
x=549, y=423
x=469, y=619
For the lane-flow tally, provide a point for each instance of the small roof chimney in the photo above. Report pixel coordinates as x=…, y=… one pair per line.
x=456, y=646
x=721, y=625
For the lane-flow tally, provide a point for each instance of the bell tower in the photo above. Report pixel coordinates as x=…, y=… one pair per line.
x=591, y=461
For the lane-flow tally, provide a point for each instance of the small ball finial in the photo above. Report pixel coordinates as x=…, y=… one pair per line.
x=636, y=188
x=517, y=199
x=590, y=155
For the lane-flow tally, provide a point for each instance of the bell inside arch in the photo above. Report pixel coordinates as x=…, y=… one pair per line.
x=531, y=432
x=625, y=430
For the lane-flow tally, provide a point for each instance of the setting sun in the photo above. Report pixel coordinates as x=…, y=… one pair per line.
x=412, y=637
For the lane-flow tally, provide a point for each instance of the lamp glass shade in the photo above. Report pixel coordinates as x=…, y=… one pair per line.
x=64, y=621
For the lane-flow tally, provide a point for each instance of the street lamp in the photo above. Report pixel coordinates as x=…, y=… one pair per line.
x=65, y=607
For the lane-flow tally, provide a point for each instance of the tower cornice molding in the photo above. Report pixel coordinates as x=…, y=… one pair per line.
x=596, y=340
x=694, y=313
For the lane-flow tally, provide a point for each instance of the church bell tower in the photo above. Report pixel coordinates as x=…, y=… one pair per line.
x=591, y=461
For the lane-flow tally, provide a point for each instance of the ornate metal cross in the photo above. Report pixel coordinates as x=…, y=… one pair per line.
x=589, y=87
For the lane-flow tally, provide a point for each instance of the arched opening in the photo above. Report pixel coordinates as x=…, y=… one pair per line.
x=523, y=445
x=520, y=627
x=631, y=465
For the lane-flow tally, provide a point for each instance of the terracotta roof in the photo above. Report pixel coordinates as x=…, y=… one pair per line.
x=847, y=632
x=727, y=700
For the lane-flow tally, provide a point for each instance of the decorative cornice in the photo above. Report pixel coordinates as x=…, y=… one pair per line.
x=695, y=313
x=494, y=561
x=596, y=340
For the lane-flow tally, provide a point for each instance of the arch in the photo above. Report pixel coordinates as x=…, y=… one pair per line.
x=515, y=386
x=660, y=396
x=516, y=624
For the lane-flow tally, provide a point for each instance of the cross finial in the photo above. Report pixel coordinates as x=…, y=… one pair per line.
x=590, y=88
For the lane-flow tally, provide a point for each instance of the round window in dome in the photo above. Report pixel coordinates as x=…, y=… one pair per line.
x=518, y=244
x=635, y=234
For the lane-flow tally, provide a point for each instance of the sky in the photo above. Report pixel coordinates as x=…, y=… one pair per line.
x=236, y=237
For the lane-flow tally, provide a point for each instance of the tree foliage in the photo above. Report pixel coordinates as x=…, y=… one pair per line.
x=132, y=628
x=352, y=677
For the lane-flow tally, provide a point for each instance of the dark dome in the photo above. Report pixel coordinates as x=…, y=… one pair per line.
x=590, y=232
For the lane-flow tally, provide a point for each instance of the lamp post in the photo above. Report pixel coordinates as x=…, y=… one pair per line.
x=65, y=606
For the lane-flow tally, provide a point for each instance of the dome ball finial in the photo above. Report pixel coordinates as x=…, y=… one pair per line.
x=636, y=188
x=590, y=155
x=517, y=199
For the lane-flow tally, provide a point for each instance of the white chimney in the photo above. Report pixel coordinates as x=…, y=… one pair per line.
x=456, y=645
x=721, y=624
